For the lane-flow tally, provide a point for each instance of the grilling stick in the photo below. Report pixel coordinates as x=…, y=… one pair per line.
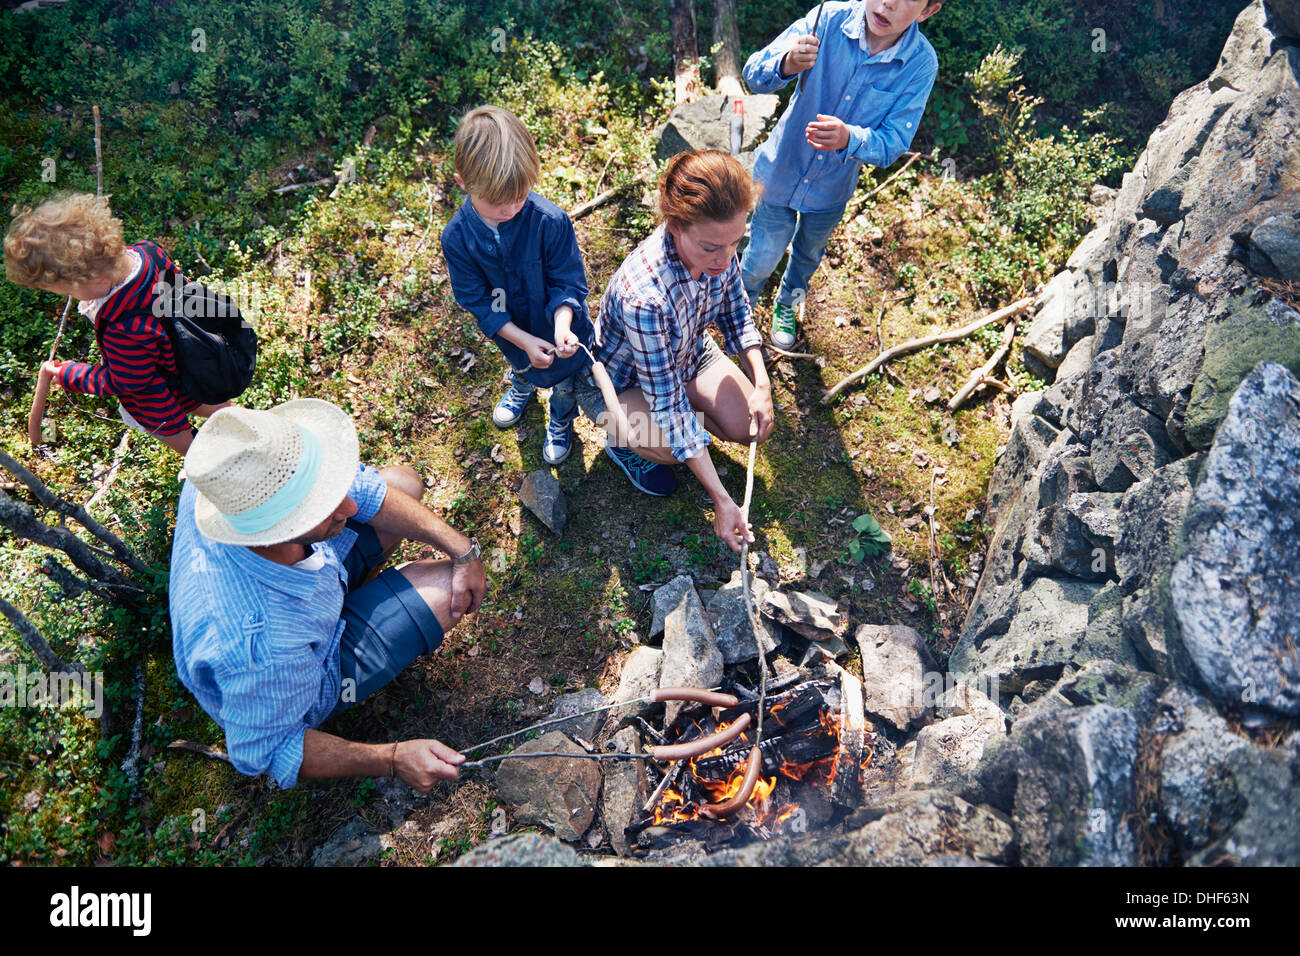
x=816, y=22
x=37, y=415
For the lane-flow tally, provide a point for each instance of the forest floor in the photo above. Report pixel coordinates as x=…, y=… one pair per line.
x=356, y=309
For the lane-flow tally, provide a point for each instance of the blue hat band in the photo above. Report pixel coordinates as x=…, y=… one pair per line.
x=288, y=496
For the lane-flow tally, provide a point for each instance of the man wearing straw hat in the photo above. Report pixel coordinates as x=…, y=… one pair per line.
x=276, y=622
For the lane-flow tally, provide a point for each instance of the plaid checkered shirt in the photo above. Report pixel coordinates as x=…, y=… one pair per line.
x=652, y=326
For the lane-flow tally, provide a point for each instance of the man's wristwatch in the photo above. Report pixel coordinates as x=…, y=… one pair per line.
x=469, y=556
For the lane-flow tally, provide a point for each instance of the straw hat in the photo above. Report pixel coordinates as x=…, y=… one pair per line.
x=266, y=477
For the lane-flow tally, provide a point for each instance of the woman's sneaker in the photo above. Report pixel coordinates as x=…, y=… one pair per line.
x=784, y=326
x=558, y=443
x=511, y=407
x=653, y=479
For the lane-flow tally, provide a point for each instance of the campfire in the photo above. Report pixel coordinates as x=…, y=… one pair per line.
x=814, y=747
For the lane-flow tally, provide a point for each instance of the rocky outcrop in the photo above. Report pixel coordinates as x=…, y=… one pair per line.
x=1144, y=508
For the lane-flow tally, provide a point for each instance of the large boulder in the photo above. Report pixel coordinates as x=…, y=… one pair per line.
x=1235, y=343
x=894, y=664
x=521, y=849
x=560, y=793
x=706, y=124
x=1074, y=800
x=923, y=825
x=1234, y=589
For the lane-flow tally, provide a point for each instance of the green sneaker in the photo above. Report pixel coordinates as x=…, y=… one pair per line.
x=783, y=326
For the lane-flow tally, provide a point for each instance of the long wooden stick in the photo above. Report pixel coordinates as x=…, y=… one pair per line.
x=979, y=376
x=913, y=345
x=816, y=23
x=591, y=205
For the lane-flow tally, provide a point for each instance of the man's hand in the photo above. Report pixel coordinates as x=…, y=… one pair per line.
x=566, y=343
x=827, y=133
x=468, y=586
x=540, y=353
x=801, y=56
x=422, y=763
x=762, y=418
x=728, y=526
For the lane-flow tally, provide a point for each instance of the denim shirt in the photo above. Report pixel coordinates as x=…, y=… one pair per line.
x=523, y=277
x=880, y=98
x=257, y=642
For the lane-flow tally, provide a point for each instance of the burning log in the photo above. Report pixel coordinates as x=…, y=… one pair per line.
x=814, y=736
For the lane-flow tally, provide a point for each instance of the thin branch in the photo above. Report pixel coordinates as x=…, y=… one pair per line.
x=912, y=157
x=55, y=664
x=591, y=205
x=981, y=374
x=22, y=521
x=119, y=456
x=77, y=513
x=203, y=750
x=913, y=345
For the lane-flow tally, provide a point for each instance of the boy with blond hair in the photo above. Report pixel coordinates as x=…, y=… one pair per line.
x=514, y=265
x=72, y=245
x=869, y=71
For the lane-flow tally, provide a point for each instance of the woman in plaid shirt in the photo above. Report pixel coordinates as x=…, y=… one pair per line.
x=675, y=384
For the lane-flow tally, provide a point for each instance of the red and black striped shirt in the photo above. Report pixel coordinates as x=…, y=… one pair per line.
x=139, y=366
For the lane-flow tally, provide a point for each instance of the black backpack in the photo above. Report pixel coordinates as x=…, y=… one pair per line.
x=216, y=350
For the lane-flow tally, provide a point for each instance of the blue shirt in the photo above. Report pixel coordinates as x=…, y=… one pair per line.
x=521, y=277
x=880, y=98
x=257, y=642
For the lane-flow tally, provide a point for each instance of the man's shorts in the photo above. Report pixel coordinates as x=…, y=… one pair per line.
x=592, y=402
x=388, y=625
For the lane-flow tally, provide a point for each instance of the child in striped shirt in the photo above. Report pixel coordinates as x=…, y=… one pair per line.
x=72, y=245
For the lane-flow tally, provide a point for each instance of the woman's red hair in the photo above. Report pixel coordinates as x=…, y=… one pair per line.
x=704, y=184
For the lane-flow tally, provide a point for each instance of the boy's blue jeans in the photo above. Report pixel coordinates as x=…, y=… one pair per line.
x=563, y=405
x=770, y=232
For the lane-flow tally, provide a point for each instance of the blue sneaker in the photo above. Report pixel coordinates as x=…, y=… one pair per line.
x=653, y=479
x=559, y=441
x=511, y=407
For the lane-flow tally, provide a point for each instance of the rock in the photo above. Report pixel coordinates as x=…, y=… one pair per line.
x=1165, y=204
x=1275, y=248
x=691, y=655
x=639, y=678
x=541, y=494
x=1150, y=519
x=356, y=843
x=521, y=849
x=950, y=749
x=560, y=793
x=588, y=726
x=1077, y=360
x=926, y=825
x=809, y=613
x=1074, y=799
x=1045, y=635
x=1064, y=316
x=665, y=598
x=894, y=662
x=1224, y=799
x=706, y=124
x=1104, y=639
x=1055, y=541
x=1234, y=344
x=1108, y=682
x=731, y=624
x=1234, y=590
x=1129, y=446
x=624, y=792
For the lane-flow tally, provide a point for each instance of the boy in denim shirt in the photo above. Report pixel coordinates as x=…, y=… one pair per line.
x=860, y=103
x=514, y=265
